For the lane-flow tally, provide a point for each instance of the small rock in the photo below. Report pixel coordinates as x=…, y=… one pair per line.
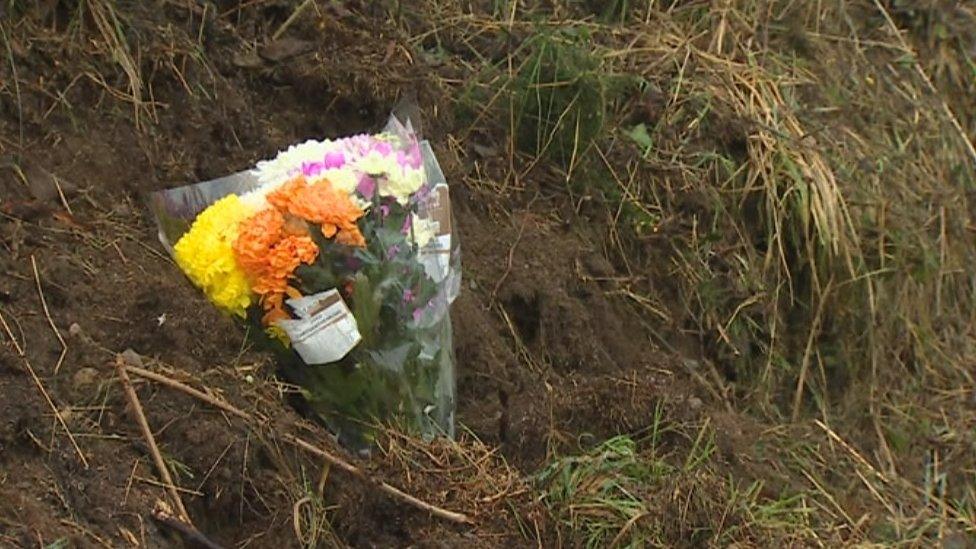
x=695, y=403
x=132, y=358
x=246, y=60
x=75, y=330
x=84, y=378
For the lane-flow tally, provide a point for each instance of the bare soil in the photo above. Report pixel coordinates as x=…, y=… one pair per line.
x=551, y=355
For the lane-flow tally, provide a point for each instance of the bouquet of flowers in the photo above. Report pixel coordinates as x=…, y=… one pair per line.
x=339, y=255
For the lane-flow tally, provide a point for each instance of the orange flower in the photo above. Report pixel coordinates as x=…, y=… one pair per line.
x=319, y=203
x=255, y=236
x=268, y=251
x=284, y=195
x=351, y=237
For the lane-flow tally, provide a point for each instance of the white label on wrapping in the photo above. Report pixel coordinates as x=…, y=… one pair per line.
x=303, y=305
x=436, y=258
x=436, y=254
x=325, y=332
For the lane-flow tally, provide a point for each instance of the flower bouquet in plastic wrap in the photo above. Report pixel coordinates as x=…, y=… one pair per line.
x=339, y=256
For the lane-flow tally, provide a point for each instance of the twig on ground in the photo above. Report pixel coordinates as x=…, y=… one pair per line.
x=64, y=200
x=133, y=399
x=805, y=366
x=54, y=409
x=308, y=447
x=384, y=487
x=189, y=533
x=179, y=386
x=155, y=482
x=47, y=314
x=291, y=19
x=50, y=403
x=86, y=532
x=214, y=466
x=508, y=267
x=10, y=334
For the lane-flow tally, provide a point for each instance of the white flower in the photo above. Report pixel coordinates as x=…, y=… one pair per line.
x=258, y=198
x=401, y=183
x=289, y=162
x=375, y=163
x=344, y=179
x=424, y=230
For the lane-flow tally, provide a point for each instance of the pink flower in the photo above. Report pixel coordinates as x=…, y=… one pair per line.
x=334, y=159
x=410, y=158
x=383, y=148
x=366, y=187
x=311, y=169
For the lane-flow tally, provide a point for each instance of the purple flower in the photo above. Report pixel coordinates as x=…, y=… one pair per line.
x=417, y=313
x=310, y=169
x=385, y=210
x=407, y=225
x=393, y=251
x=410, y=158
x=383, y=148
x=366, y=187
x=358, y=145
x=408, y=295
x=334, y=159
x=421, y=196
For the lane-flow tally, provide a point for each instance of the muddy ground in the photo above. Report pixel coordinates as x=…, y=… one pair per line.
x=549, y=358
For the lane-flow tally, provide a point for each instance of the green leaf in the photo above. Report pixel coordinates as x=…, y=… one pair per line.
x=640, y=136
x=365, y=308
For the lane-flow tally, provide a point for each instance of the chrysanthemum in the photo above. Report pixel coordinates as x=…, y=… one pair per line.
x=205, y=253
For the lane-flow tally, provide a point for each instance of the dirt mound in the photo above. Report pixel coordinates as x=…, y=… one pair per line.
x=680, y=226
x=545, y=355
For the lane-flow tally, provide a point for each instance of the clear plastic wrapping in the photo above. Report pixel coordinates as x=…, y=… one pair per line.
x=343, y=259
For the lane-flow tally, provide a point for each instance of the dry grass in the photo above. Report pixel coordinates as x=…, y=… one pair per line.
x=810, y=180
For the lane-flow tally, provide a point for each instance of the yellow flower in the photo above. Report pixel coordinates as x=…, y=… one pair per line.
x=206, y=254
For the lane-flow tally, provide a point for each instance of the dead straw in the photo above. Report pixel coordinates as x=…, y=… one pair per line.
x=57, y=414
x=47, y=315
x=40, y=387
x=291, y=19
x=928, y=81
x=189, y=533
x=384, y=487
x=136, y=406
